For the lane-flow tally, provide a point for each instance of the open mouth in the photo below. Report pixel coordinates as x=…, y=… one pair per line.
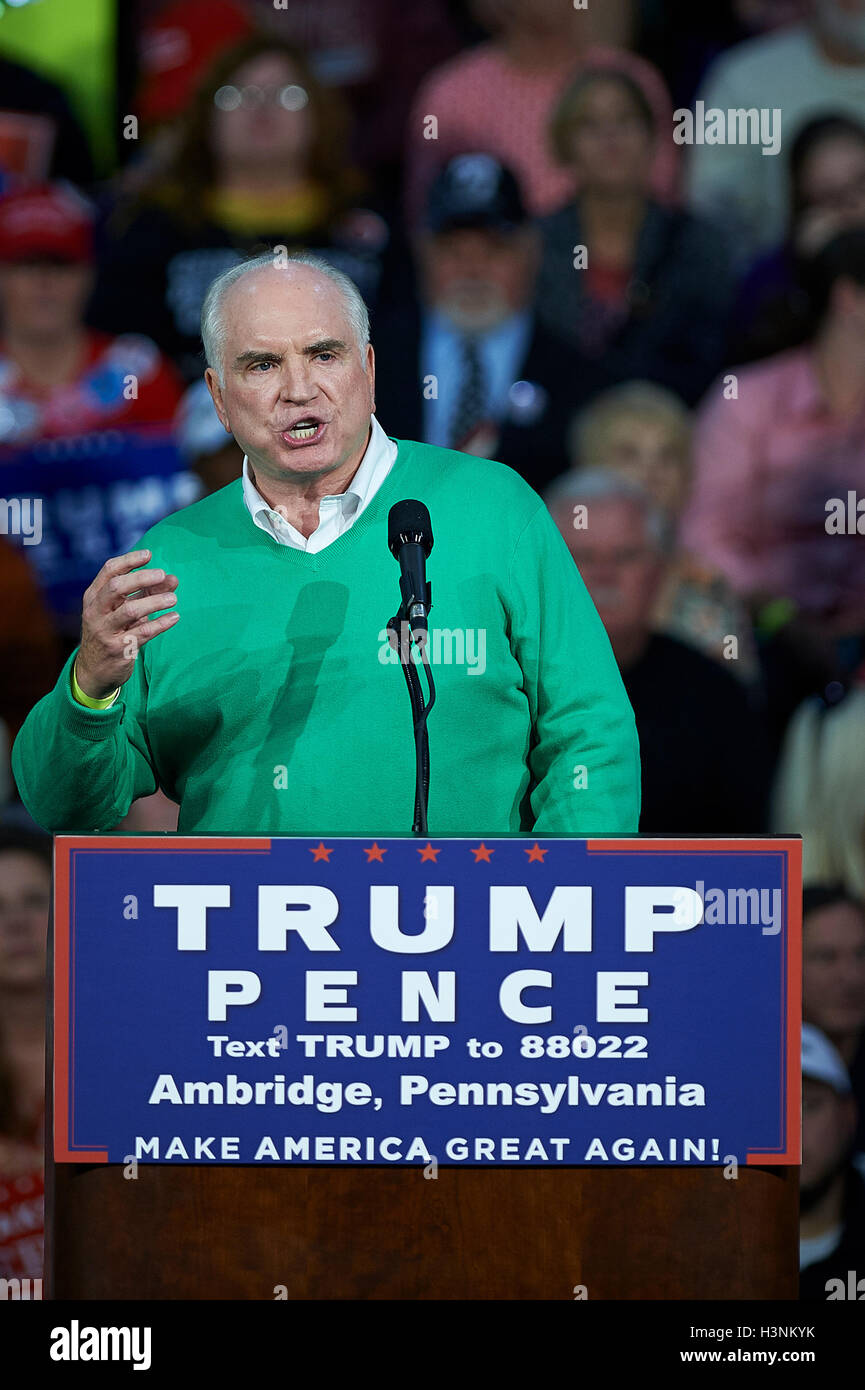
x=304, y=432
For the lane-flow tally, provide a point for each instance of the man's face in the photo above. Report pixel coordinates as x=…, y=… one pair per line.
x=297, y=392
x=478, y=277
x=44, y=299
x=25, y=895
x=620, y=567
x=827, y=1127
x=834, y=969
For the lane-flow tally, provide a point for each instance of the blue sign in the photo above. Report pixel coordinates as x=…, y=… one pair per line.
x=506, y=1001
x=87, y=497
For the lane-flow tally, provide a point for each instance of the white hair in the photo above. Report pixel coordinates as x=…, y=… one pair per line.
x=213, y=325
x=819, y=790
x=586, y=485
x=589, y=432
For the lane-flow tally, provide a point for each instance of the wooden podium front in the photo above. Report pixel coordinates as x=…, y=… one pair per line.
x=390, y=1233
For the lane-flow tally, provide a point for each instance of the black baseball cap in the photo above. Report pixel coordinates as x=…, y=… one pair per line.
x=474, y=190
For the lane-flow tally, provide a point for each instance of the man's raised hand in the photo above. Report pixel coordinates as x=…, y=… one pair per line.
x=115, y=620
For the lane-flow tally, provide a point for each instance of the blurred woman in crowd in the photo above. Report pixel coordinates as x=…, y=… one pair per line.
x=778, y=449
x=820, y=789
x=498, y=95
x=643, y=432
x=81, y=416
x=827, y=196
x=58, y=377
x=646, y=289
x=261, y=162
x=25, y=893
x=375, y=52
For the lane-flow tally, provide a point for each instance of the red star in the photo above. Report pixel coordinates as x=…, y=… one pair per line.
x=428, y=853
x=376, y=852
x=319, y=852
x=536, y=855
x=482, y=853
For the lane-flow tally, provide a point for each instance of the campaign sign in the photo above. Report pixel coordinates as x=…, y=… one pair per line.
x=505, y=1001
x=94, y=495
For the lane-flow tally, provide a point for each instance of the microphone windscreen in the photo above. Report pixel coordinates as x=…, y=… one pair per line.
x=409, y=521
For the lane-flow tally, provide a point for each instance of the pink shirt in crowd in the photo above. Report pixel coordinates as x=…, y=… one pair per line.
x=767, y=464
x=483, y=102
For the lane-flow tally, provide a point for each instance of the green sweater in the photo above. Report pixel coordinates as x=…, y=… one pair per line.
x=272, y=705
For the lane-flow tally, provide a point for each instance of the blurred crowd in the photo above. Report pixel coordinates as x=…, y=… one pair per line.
x=661, y=326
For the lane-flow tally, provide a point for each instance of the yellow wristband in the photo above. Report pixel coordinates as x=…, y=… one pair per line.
x=88, y=700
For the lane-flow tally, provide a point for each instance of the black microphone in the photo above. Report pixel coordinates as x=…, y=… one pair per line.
x=410, y=540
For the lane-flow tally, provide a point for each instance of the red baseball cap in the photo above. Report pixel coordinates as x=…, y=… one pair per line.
x=45, y=220
x=177, y=48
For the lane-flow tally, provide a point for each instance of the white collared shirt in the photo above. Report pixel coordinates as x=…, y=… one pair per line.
x=335, y=513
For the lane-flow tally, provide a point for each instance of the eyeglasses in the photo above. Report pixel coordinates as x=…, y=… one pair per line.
x=290, y=98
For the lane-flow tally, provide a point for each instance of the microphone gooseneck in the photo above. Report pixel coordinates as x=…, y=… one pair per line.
x=410, y=540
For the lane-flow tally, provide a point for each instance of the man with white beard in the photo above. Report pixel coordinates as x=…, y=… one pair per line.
x=468, y=367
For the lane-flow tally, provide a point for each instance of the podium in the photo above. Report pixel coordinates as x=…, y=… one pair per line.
x=216, y=1233
x=413, y=1231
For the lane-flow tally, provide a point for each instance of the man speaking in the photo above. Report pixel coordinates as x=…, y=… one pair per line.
x=238, y=658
